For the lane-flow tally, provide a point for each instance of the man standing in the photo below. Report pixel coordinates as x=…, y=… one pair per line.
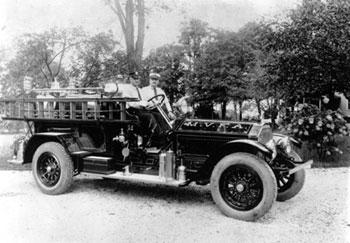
x=153, y=90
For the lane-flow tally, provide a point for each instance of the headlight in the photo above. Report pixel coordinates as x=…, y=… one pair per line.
x=272, y=146
x=265, y=137
x=284, y=143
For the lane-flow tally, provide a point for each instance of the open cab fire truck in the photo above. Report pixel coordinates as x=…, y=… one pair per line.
x=247, y=166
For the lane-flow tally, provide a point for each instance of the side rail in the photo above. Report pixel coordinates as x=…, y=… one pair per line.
x=63, y=109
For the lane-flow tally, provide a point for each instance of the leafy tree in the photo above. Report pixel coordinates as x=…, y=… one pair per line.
x=256, y=36
x=220, y=70
x=169, y=61
x=313, y=50
x=40, y=56
x=193, y=35
x=93, y=60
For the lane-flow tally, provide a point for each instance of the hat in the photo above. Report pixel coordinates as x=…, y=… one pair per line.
x=154, y=76
x=134, y=75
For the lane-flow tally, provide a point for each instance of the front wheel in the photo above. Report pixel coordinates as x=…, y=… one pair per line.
x=52, y=168
x=243, y=186
x=290, y=185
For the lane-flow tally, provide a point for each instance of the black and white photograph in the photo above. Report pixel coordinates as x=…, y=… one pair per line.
x=174, y=121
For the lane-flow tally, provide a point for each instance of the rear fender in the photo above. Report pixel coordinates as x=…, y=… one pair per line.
x=66, y=139
x=235, y=146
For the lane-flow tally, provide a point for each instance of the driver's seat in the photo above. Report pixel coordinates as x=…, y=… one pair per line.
x=159, y=135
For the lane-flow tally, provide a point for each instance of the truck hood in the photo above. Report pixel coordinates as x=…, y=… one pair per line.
x=220, y=126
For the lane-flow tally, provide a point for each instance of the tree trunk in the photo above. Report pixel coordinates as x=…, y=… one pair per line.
x=274, y=113
x=140, y=32
x=223, y=110
x=257, y=101
x=234, y=114
x=240, y=109
x=237, y=111
x=126, y=19
x=129, y=34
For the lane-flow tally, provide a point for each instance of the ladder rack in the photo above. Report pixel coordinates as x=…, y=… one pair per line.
x=64, y=108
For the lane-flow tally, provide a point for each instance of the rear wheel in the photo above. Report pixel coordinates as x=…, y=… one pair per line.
x=52, y=168
x=243, y=186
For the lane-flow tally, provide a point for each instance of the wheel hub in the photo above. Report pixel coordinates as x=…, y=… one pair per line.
x=48, y=169
x=240, y=187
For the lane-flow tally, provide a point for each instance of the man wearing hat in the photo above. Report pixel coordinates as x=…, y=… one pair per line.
x=147, y=119
x=133, y=90
x=153, y=90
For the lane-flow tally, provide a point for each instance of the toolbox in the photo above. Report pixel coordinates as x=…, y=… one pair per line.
x=98, y=164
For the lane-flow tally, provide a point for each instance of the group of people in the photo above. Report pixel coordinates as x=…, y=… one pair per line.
x=152, y=122
x=146, y=93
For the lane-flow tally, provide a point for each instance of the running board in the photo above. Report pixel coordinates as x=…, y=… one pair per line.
x=152, y=179
x=15, y=161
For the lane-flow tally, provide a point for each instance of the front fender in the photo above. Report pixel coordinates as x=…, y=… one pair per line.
x=235, y=146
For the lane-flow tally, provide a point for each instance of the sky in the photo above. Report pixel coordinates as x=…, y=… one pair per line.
x=162, y=27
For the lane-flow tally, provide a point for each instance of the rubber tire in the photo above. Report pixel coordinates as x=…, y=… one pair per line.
x=66, y=165
x=296, y=186
x=266, y=175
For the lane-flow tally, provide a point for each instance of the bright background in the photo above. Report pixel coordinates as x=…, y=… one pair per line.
x=18, y=17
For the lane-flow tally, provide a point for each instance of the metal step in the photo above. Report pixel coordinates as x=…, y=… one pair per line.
x=15, y=161
x=152, y=179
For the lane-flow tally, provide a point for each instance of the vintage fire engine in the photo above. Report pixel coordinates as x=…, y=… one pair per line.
x=247, y=166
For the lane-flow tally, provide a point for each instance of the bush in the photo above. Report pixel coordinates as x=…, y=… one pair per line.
x=319, y=128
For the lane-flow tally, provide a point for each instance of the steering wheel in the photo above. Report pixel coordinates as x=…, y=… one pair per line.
x=155, y=104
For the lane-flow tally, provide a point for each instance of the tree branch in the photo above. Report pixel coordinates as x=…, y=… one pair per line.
x=88, y=73
x=48, y=66
x=63, y=50
x=47, y=79
x=60, y=62
x=119, y=12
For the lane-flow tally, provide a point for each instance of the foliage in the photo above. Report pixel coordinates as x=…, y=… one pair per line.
x=63, y=55
x=41, y=56
x=256, y=36
x=313, y=50
x=168, y=60
x=220, y=70
x=308, y=123
x=93, y=59
x=193, y=35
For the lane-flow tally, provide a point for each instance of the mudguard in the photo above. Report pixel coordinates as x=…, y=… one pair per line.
x=240, y=145
x=67, y=140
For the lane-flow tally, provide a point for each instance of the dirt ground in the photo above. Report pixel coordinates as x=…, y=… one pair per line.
x=96, y=210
